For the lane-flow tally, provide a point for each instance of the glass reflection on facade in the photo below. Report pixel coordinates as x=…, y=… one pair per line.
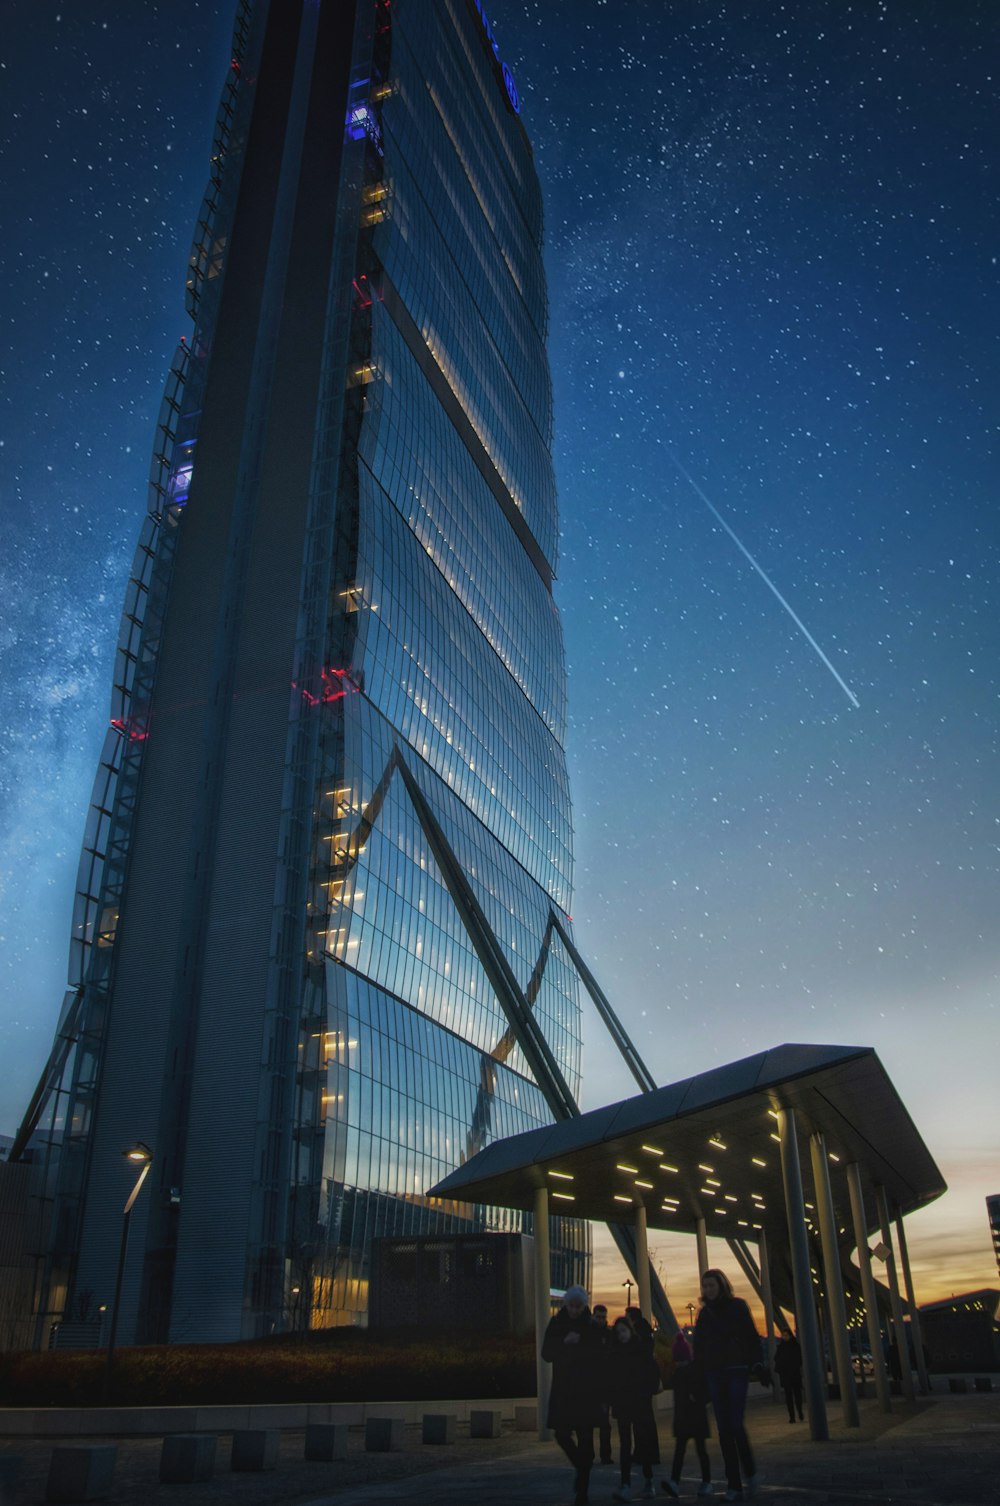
x=343, y=674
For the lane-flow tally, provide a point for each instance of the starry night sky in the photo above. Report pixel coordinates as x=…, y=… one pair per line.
x=772, y=238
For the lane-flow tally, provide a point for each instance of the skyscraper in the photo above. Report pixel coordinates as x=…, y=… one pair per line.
x=320, y=945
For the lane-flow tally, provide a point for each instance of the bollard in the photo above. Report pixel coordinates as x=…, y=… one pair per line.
x=439, y=1427
x=526, y=1418
x=383, y=1434
x=81, y=1472
x=255, y=1449
x=484, y=1424
x=10, y=1474
x=187, y=1458
x=326, y=1441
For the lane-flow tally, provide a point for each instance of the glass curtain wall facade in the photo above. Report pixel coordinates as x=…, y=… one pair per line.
x=338, y=762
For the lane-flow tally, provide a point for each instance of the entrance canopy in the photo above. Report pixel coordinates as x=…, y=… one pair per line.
x=708, y=1148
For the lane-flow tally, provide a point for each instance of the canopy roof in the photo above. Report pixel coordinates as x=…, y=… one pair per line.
x=707, y=1148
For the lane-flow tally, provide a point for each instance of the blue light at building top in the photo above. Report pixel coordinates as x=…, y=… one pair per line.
x=508, y=77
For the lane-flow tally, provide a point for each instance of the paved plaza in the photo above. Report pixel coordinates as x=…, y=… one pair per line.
x=943, y=1450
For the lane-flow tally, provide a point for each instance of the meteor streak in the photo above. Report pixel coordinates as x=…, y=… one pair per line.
x=767, y=581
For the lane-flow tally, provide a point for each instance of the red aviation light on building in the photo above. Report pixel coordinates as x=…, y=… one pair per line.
x=334, y=685
x=365, y=291
x=136, y=732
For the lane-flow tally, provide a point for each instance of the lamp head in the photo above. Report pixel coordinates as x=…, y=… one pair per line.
x=139, y=1154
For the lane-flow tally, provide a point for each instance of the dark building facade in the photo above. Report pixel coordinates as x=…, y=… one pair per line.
x=963, y=1332
x=316, y=957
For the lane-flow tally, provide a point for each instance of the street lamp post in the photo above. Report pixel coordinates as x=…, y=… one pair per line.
x=628, y=1293
x=140, y=1155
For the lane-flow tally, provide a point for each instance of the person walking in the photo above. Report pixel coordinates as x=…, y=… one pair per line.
x=788, y=1365
x=726, y=1345
x=690, y=1421
x=604, y=1417
x=572, y=1346
x=633, y=1379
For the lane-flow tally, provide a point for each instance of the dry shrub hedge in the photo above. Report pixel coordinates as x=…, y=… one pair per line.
x=340, y=1365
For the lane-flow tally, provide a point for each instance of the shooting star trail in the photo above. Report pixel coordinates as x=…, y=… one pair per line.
x=767, y=581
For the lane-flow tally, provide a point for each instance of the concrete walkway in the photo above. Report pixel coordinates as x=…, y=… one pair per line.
x=941, y=1451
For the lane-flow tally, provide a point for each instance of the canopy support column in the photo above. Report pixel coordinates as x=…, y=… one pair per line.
x=767, y=1297
x=642, y=1264
x=868, y=1284
x=805, y=1311
x=833, y=1281
x=918, y=1338
x=898, y=1326
x=543, y=1304
x=747, y=1265
x=701, y=1235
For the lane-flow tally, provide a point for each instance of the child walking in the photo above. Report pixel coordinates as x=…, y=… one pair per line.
x=690, y=1421
x=632, y=1379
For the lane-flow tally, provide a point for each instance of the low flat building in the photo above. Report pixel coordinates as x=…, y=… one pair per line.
x=963, y=1332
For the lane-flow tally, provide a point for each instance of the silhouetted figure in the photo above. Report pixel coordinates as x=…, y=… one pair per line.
x=633, y=1380
x=572, y=1346
x=726, y=1345
x=690, y=1420
x=604, y=1420
x=788, y=1365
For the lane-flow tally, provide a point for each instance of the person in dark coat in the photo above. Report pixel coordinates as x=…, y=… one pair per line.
x=604, y=1421
x=632, y=1382
x=690, y=1420
x=788, y=1365
x=638, y=1323
x=572, y=1346
x=726, y=1345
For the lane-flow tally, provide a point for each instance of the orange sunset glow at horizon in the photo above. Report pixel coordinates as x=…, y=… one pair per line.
x=949, y=1246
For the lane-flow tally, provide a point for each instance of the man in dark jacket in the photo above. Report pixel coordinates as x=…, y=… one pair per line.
x=572, y=1346
x=604, y=1423
x=788, y=1364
